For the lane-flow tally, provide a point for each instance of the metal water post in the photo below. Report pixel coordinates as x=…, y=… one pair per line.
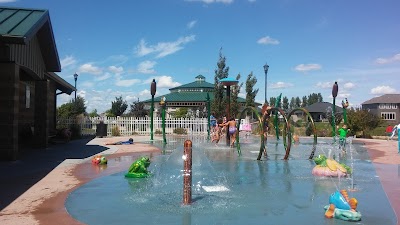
x=163, y=104
x=398, y=137
x=153, y=88
x=335, y=90
x=208, y=116
x=187, y=172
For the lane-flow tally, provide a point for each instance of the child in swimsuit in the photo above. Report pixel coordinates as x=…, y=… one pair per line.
x=231, y=124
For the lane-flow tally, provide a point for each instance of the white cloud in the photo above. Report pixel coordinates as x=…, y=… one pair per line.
x=324, y=84
x=211, y=1
x=348, y=85
x=280, y=85
x=166, y=82
x=393, y=59
x=343, y=95
x=89, y=68
x=162, y=49
x=86, y=84
x=307, y=67
x=116, y=70
x=163, y=82
x=145, y=93
x=382, y=90
x=267, y=41
x=191, y=24
x=146, y=67
x=105, y=76
x=126, y=83
x=67, y=61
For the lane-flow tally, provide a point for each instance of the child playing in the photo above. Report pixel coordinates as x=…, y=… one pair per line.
x=217, y=132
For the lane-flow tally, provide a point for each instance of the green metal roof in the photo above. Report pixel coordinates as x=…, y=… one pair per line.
x=200, y=77
x=19, y=26
x=195, y=84
x=188, y=97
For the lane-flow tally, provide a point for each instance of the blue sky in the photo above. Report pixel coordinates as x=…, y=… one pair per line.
x=118, y=47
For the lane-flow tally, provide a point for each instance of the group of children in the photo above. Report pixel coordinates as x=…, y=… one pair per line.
x=218, y=128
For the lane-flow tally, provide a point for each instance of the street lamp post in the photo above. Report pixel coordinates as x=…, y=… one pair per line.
x=75, y=78
x=266, y=67
x=153, y=88
x=228, y=82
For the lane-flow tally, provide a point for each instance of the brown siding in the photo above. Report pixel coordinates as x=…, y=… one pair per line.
x=29, y=56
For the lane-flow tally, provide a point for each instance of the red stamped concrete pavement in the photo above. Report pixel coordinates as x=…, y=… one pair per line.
x=386, y=159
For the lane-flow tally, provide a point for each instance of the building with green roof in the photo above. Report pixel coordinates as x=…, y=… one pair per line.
x=28, y=83
x=192, y=95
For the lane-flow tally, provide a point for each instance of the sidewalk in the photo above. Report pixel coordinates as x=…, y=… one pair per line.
x=386, y=160
x=34, y=164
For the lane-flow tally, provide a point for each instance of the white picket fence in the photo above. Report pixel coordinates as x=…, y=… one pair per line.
x=133, y=125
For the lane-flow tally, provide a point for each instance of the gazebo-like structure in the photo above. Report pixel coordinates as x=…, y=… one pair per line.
x=28, y=84
x=190, y=95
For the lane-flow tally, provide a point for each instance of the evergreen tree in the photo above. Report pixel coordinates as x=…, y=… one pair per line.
x=272, y=101
x=118, y=106
x=285, y=103
x=314, y=98
x=320, y=99
x=234, y=98
x=304, y=101
x=218, y=105
x=292, y=103
x=250, y=92
x=297, y=102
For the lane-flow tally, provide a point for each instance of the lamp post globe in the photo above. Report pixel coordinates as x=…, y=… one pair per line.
x=266, y=67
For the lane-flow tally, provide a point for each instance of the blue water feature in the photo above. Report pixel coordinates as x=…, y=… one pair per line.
x=228, y=189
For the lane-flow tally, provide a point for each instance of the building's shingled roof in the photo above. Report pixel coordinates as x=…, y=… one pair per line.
x=388, y=98
x=321, y=107
x=195, y=84
x=188, y=97
x=19, y=26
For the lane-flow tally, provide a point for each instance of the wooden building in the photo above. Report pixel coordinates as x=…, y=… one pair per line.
x=28, y=84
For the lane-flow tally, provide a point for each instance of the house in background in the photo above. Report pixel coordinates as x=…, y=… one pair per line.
x=28, y=84
x=319, y=110
x=386, y=106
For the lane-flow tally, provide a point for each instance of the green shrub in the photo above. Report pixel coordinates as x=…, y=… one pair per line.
x=115, y=132
x=158, y=131
x=180, y=131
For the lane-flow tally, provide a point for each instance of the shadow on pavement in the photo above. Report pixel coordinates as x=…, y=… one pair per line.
x=34, y=164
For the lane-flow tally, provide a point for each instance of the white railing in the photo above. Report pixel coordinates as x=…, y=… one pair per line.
x=133, y=125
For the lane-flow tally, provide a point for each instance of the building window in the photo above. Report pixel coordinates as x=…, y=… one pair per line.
x=388, y=106
x=388, y=115
x=27, y=96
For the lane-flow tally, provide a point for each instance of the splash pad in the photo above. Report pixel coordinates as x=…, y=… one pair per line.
x=231, y=189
